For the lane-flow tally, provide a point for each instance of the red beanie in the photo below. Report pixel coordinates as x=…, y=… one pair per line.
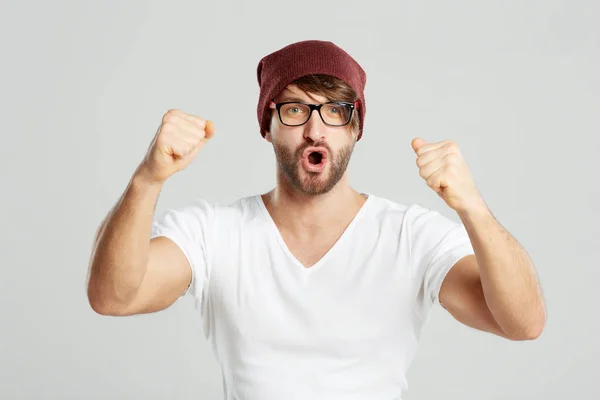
x=277, y=70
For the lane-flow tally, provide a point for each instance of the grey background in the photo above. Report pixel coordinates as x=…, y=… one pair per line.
x=83, y=88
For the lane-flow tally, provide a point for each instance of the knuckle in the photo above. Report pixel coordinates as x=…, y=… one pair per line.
x=199, y=122
x=171, y=116
x=169, y=119
x=167, y=127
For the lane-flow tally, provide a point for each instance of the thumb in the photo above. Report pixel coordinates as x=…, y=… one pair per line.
x=209, y=129
x=417, y=142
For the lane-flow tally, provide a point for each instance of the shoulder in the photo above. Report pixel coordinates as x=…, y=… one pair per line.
x=410, y=218
x=224, y=213
x=387, y=209
x=238, y=209
x=201, y=217
x=199, y=206
x=384, y=207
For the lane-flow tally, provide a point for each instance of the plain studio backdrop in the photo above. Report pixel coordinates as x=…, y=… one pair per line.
x=84, y=86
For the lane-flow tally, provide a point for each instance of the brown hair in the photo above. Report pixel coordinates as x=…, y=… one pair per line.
x=333, y=89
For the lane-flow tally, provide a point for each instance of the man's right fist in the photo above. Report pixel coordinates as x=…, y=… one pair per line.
x=178, y=140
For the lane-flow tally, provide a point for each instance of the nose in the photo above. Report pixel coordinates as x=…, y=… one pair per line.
x=314, y=129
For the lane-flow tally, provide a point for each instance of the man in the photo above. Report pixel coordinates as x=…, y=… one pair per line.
x=312, y=290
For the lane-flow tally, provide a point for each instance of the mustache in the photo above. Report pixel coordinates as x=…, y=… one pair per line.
x=303, y=147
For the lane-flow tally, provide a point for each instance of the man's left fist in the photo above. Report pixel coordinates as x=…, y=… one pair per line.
x=445, y=171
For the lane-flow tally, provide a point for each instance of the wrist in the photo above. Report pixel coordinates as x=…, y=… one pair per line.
x=474, y=212
x=143, y=178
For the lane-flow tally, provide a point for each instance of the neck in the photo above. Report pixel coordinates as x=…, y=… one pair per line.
x=307, y=215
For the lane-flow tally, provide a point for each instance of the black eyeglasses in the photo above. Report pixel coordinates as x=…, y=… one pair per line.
x=334, y=113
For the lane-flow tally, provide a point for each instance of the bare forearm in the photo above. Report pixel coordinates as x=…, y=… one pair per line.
x=508, y=276
x=119, y=257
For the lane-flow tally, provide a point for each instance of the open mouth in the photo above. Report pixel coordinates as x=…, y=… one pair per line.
x=314, y=159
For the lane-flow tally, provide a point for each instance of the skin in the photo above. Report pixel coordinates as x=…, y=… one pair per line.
x=495, y=290
x=311, y=223
x=129, y=273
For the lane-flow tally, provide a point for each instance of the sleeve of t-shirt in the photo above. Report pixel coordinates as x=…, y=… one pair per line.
x=190, y=228
x=436, y=244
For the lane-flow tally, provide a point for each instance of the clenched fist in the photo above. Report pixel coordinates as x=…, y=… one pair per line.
x=176, y=143
x=444, y=169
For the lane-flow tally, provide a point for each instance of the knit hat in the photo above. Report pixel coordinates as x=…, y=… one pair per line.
x=277, y=70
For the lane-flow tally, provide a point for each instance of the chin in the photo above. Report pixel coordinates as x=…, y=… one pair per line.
x=315, y=184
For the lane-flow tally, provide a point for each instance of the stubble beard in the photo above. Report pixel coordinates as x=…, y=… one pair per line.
x=313, y=183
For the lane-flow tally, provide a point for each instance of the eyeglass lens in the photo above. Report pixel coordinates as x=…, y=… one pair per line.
x=332, y=114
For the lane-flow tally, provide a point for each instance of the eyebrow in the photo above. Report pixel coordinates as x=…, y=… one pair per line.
x=293, y=98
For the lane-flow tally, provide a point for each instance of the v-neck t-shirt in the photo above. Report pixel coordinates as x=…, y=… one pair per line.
x=346, y=328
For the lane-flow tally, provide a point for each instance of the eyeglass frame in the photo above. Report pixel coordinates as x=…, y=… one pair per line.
x=277, y=106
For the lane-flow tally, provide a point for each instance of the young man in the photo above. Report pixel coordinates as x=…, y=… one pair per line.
x=312, y=290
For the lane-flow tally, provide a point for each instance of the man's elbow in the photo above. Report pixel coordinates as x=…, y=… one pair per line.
x=104, y=304
x=100, y=308
x=529, y=334
x=532, y=331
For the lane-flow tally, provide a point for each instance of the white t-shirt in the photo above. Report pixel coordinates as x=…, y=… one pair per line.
x=344, y=329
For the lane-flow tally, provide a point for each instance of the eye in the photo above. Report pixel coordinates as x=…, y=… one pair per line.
x=337, y=109
x=293, y=109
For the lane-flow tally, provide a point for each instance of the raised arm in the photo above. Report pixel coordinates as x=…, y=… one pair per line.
x=129, y=273
x=496, y=289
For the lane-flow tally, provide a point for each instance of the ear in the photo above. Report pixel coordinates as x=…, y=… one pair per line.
x=268, y=136
x=354, y=133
